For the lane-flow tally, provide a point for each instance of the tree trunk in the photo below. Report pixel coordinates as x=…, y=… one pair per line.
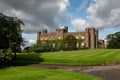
x=4, y=52
x=14, y=53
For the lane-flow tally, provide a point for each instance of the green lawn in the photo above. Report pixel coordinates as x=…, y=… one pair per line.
x=27, y=73
x=80, y=57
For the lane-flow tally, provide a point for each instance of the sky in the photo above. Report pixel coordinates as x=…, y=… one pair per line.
x=37, y=15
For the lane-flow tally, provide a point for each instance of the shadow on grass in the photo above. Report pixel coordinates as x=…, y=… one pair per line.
x=23, y=60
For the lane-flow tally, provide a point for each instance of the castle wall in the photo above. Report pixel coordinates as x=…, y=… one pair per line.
x=96, y=37
x=89, y=36
x=101, y=44
x=92, y=38
x=48, y=36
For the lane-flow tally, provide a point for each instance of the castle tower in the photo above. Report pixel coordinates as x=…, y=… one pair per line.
x=96, y=37
x=38, y=36
x=91, y=38
x=60, y=32
x=44, y=31
x=65, y=29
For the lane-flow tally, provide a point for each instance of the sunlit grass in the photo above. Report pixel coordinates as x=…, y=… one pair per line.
x=80, y=57
x=27, y=73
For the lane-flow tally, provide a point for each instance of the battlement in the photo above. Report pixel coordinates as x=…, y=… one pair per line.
x=44, y=31
x=64, y=29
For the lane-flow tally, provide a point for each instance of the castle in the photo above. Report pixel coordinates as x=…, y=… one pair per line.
x=89, y=36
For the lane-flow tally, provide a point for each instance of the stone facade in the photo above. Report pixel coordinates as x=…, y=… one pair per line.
x=89, y=36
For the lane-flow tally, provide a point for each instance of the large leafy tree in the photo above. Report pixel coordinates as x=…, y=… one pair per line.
x=70, y=42
x=10, y=33
x=113, y=41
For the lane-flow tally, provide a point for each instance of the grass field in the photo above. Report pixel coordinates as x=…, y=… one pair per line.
x=27, y=73
x=80, y=57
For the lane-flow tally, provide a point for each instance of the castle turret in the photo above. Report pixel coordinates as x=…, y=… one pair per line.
x=60, y=33
x=44, y=31
x=91, y=38
x=38, y=36
x=96, y=37
x=66, y=29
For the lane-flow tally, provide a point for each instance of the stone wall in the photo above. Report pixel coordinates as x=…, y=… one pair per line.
x=89, y=36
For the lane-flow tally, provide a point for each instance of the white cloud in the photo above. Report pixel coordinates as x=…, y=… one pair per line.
x=80, y=24
x=92, y=9
x=31, y=41
x=101, y=14
x=63, y=5
x=105, y=13
x=36, y=14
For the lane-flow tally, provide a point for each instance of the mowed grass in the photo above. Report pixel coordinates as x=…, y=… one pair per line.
x=80, y=57
x=27, y=73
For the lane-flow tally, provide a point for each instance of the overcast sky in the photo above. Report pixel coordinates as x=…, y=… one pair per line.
x=76, y=14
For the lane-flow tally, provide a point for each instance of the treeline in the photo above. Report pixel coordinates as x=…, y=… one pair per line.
x=113, y=41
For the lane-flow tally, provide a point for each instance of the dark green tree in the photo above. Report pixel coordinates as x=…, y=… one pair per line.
x=113, y=41
x=70, y=42
x=10, y=33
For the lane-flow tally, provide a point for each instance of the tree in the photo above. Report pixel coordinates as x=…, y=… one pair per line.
x=70, y=42
x=58, y=44
x=10, y=33
x=113, y=41
x=79, y=41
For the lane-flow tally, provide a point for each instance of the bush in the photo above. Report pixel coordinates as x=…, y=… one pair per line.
x=45, y=47
x=6, y=55
x=70, y=43
x=84, y=47
x=113, y=41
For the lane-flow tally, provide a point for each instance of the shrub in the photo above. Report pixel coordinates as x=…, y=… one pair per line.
x=70, y=43
x=6, y=55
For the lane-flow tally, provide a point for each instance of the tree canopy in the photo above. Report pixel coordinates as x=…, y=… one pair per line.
x=113, y=41
x=70, y=42
x=10, y=33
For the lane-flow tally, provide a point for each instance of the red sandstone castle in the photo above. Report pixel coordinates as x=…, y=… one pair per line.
x=89, y=36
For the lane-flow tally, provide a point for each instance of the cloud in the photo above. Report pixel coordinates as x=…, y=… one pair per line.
x=80, y=24
x=105, y=13
x=36, y=14
x=101, y=14
x=29, y=42
x=63, y=4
